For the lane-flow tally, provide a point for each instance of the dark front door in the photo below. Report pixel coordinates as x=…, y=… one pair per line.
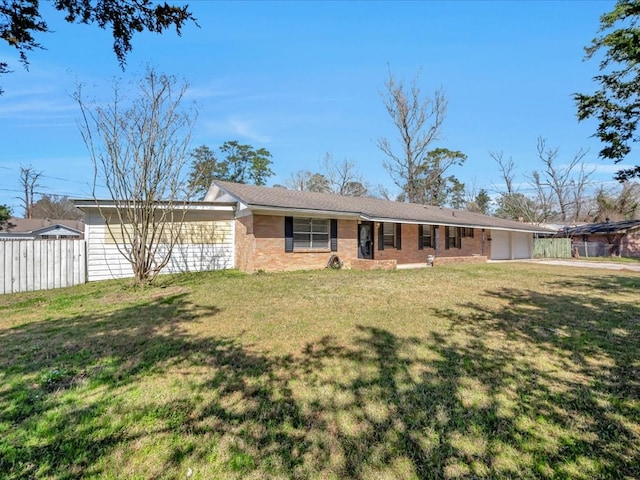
x=365, y=240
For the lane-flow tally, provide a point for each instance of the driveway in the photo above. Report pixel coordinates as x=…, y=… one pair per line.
x=630, y=267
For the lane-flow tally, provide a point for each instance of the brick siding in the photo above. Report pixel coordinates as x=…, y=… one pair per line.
x=364, y=264
x=614, y=244
x=409, y=253
x=631, y=244
x=448, y=260
x=618, y=244
x=264, y=247
x=260, y=245
x=245, y=244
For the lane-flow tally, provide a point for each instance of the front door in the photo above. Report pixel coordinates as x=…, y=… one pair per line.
x=365, y=240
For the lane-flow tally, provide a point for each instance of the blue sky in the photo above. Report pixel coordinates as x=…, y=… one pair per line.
x=304, y=78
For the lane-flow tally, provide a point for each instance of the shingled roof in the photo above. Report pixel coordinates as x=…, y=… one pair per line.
x=29, y=225
x=602, y=228
x=280, y=199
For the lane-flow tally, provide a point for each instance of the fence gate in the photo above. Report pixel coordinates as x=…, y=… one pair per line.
x=552, y=248
x=27, y=265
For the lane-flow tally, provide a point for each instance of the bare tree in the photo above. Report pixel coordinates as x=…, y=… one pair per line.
x=344, y=177
x=511, y=203
x=623, y=204
x=507, y=172
x=139, y=148
x=565, y=183
x=418, y=121
x=308, y=181
x=56, y=206
x=559, y=190
x=380, y=191
x=298, y=180
x=339, y=178
x=579, y=192
x=28, y=183
x=476, y=199
x=543, y=198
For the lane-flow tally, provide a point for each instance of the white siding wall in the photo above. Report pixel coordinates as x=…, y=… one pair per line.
x=104, y=260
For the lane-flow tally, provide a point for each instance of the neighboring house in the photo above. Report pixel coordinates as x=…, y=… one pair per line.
x=274, y=229
x=606, y=238
x=42, y=229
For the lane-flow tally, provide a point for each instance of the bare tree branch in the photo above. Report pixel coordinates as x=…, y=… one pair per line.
x=28, y=183
x=506, y=168
x=561, y=180
x=418, y=121
x=139, y=148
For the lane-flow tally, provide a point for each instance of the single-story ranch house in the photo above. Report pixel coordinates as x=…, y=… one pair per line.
x=255, y=228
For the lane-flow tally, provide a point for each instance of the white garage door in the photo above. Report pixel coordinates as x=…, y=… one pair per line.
x=522, y=245
x=511, y=245
x=500, y=245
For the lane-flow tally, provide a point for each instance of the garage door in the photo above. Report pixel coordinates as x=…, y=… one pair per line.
x=500, y=245
x=511, y=245
x=522, y=245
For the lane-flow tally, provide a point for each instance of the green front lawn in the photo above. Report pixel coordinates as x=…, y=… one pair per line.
x=470, y=371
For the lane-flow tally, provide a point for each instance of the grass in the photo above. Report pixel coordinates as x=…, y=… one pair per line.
x=470, y=371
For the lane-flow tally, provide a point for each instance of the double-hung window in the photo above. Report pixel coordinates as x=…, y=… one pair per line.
x=428, y=236
x=453, y=237
x=310, y=233
x=389, y=234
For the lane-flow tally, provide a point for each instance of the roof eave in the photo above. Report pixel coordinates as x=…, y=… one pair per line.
x=50, y=228
x=284, y=211
x=194, y=206
x=453, y=224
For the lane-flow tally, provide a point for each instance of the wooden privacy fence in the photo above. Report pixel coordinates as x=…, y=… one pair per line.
x=552, y=248
x=27, y=265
